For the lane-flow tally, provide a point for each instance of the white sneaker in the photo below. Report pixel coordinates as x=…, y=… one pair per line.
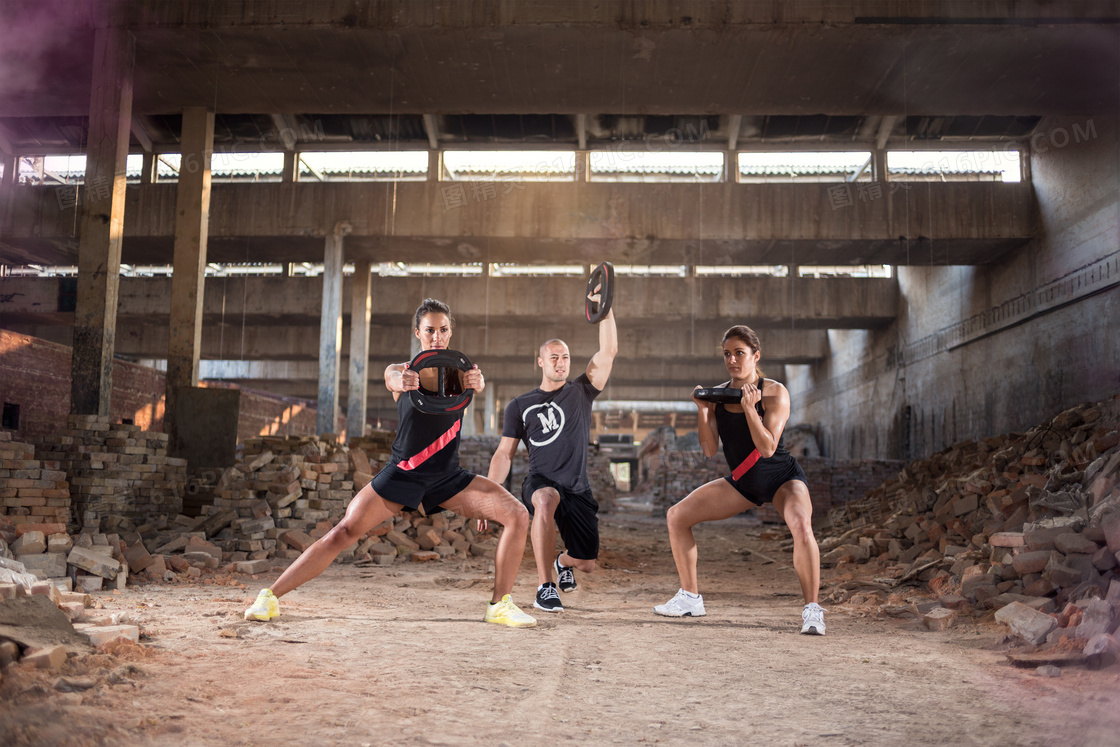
x=682, y=605
x=812, y=619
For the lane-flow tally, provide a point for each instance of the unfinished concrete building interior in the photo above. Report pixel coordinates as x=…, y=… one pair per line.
x=218, y=218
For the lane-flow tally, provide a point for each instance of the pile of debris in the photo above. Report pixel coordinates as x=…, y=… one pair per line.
x=1027, y=524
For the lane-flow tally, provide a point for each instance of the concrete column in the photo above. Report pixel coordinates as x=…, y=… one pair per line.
x=583, y=166
x=435, y=165
x=360, y=307
x=7, y=188
x=330, y=331
x=491, y=412
x=291, y=167
x=102, y=222
x=192, y=219
x=879, y=165
x=148, y=168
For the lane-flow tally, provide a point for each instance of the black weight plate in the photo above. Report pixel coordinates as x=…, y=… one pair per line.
x=603, y=275
x=721, y=394
x=436, y=403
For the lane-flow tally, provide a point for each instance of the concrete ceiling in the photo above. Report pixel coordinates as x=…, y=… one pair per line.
x=519, y=72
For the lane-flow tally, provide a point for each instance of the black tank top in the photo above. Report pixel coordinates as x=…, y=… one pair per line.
x=426, y=439
x=738, y=444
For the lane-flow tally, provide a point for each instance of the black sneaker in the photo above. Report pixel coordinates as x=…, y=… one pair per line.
x=547, y=598
x=565, y=576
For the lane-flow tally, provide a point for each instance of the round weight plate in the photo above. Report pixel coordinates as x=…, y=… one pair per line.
x=439, y=402
x=602, y=276
x=720, y=394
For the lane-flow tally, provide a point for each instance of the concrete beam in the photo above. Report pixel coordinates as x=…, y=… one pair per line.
x=734, y=124
x=507, y=304
x=673, y=380
x=102, y=223
x=626, y=223
x=431, y=129
x=644, y=339
x=142, y=133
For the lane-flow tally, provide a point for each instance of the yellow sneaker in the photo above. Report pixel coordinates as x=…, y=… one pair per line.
x=506, y=612
x=265, y=608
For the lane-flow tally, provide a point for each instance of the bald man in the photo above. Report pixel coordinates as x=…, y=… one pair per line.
x=554, y=421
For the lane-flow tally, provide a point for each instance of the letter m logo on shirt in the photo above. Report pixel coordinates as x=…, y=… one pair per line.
x=552, y=422
x=548, y=420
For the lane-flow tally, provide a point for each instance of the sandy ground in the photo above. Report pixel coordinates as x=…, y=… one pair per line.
x=399, y=655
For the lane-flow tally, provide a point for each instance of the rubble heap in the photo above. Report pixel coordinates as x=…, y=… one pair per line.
x=1026, y=523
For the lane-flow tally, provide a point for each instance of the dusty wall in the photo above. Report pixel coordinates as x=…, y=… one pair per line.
x=978, y=351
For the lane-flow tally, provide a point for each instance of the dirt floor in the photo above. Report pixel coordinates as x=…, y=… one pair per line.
x=399, y=655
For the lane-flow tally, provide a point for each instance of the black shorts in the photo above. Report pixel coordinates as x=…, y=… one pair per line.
x=577, y=516
x=412, y=488
x=766, y=477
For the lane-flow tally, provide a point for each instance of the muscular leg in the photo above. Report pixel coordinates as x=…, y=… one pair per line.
x=484, y=499
x=366, y=511
x=709, y=502
x=543, y=532
x=793, y=503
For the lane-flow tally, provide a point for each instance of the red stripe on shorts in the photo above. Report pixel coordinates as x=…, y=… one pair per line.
x=745, y=465
x=439, y=443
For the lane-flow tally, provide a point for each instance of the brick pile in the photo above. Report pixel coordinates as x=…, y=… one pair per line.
x=377, y=444
x=303, y=478
x=23, y=589
x=114, y=470
x=285, y=493
x=1025, y=521
x=88, y=561
x=32, y=491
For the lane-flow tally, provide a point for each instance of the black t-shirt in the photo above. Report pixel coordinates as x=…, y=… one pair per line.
x=555, y=427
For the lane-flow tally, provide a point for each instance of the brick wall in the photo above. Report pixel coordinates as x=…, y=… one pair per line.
x=35, y=375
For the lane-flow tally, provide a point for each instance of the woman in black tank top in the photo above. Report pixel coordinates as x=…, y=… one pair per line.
x=425, y=471
x=761, y=471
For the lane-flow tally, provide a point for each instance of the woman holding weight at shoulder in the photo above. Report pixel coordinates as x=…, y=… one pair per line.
x=423, y=471
x=761, y=471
